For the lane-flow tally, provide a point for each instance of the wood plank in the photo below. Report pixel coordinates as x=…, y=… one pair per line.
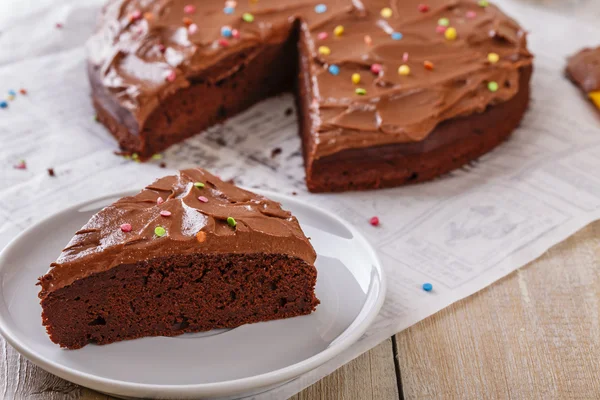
x=534, y=334
x=371, y=376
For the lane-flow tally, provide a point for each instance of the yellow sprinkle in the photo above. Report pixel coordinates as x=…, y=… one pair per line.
x=493, y=58
x=10, y=97
x=450, y=33
x=404, y=70
x=356, y=78
x=595, y=97
x=338, y=31
x=324, y=50
x=386, y=12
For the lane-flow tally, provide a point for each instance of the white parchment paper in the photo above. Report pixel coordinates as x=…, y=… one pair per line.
x=461, y=232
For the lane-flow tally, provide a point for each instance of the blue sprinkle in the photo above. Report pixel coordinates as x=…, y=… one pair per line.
x=397, y=36
x=3, y=104
x=427, y=287
x=226, y=31
x=334, y=69
x=320, y=8
x=12, y=92
x=229, y=10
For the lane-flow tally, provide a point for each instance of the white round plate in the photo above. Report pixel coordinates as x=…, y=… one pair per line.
x=247, y=359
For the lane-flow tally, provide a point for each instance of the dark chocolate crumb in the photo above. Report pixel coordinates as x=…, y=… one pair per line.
x=294, y=193
x=289, y=111
x=275, y=152
x=51, y=172
x=221, y=141
x=163, y=165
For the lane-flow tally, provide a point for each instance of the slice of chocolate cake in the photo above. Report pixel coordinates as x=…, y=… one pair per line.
x=188, y=253
x=583, y=69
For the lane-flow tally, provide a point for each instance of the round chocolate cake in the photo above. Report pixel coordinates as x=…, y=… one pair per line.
x=388, y=92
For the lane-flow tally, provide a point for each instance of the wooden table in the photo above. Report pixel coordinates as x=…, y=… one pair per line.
x=534, y=334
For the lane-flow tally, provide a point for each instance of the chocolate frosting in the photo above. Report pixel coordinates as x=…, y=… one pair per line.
x=584, y=69
x=193, y=226
x=143, y=60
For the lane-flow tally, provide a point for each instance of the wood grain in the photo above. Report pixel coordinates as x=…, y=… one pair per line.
x=534, y=334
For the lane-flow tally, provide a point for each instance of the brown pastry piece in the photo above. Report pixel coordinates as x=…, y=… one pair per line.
x=583, y=69
x=188, y=253
x=387, y=92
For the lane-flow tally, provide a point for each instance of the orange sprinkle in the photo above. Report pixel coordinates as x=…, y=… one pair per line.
x=187, y=21
x=201, y=237
x=148, y=16
x=428, y=65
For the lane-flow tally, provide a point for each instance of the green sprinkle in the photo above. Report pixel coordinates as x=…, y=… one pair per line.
x=157, y=157
x=96, y=118
x=199, y=184
x=127, y=157
x=248, y=17
x=493, y=86
x=231, y=222
x=360, y=91
x=483, y=3
x=443, y=22
x=135, y=156
x=160, y=231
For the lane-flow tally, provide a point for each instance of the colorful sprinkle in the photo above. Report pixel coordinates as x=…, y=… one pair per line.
x=3, y=104
x=231, y=222
x=360, y=91
x=471, y=14
x=148, y=16
x=338, y=30
x=22, y=91
x=322, y=35
x=223, y=42
x=203, y=199
x=189, y=9
x=226, y=31
x=135, y=156
x=12, y=93
x=368, y=40
x=428, y=65
x=235, y=33
x=397, y=35
x=450, y=33
x=374, y=221
x=595, y=98
x=493, y=58
x=423, y=8
x=483, y=3
x=126, y=227
x=229, y=10
x=134, y=16
x=160, y=231
x=324, y=50
x=386, y=12
x=405, y=57
x=248, y=17
x=376, y=68
x=492, y=86
x=157, y=156
x=320, y=8
x=356, y=79
x=428, y=287
x=165, y=213
x=10, y=97
x=187, y=21
x=59, y=25
x=404, y=70
x=443, y=22
x=334, y=69
x=199, y=185
x=193, y=28
x=171, y=76
x=159, y=201
x=161, y=48
x=21, y=165
x=201, y=237
x=231, y=3
x=440, y=29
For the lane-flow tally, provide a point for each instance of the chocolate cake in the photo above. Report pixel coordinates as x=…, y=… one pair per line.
x=583, y=69
x=387, y=92
x=188, y=253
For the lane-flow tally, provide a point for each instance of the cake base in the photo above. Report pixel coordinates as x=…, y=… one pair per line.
x=174, y=295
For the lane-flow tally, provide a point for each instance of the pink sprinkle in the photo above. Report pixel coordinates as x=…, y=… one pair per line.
x=471, y=14
x=159, y=201
x=161, y=48
x=193, y=28
x=374, y=221
x=376, y=68
x=137, y=14
x=231, y=3
x=126, y=227
x=235, y=33
x=368, y=40
x=440, y=29
x=423, y=8
x=223, y=42
x=171, y=76
x=59, y=25
x=189, y=9
x=322, y=35
x=203, y=199
x=21, y=165
x=405, y=57
x=165, y=213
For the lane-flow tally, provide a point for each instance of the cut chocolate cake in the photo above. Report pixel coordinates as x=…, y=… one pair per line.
x=388, y=92
x=188, y=253
x=583, y=69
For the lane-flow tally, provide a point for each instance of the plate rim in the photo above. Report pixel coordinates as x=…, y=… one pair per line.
x=221, y=388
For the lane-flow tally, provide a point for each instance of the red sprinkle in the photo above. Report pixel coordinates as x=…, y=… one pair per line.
x=22, y=91
x=165, y=213
x=189, y=9
x=137, y=14
x=21, y=165
x=235, y=33
x=203, y=199
x=471, y=14
x=423, y=8
x=376, y=68
x=322, y=35
x=162, y=48
x=59, y=25
x=171, y=76
x=159, y=201
x=223, y=42
x=374, y=221
x=428, y=65
x=440, y=29
x=126, y=227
